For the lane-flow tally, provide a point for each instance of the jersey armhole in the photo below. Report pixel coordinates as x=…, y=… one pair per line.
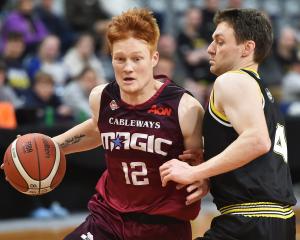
x=214, y=109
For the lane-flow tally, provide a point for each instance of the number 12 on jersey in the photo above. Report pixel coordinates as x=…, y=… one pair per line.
x=133, y=177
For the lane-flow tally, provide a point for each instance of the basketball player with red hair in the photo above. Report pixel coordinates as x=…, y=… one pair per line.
x=141, y=121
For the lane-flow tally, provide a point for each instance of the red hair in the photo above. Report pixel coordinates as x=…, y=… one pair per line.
x=136, y=23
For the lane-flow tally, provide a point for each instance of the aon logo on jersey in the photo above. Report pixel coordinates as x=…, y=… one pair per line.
x=138, y=141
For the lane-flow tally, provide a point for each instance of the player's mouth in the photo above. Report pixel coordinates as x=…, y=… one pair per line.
x=128, y=79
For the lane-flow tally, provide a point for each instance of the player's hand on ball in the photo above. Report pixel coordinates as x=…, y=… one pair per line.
x=2, y=165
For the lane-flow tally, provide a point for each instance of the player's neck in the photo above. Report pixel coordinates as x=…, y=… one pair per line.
x=143, y=95
x=247, y=65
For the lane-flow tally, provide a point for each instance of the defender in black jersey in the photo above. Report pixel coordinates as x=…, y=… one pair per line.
x=245, y=146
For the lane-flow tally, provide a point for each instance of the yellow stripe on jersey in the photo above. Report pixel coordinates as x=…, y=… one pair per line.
x=259, y=209
x=220, y=117
x=214, y=109
x=247, y=69
x=253, y=71
x=237, y=71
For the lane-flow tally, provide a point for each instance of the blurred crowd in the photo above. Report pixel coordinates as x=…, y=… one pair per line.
x=53, y=53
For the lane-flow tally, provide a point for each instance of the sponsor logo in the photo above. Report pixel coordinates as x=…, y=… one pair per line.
x=27, y=147
x=88, y=236
x=161, y=111
x=133, y=123
x=113, y=105
x=46, y=148
x=139, y=141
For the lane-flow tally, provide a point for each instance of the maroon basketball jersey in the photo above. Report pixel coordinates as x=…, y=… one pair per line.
x=137, y=140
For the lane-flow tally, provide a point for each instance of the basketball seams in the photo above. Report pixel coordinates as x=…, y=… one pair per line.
x=19, y=166
x=17, y=155
x=29, y=191
x=38, y=161
x=47, y=181
x=6, y=158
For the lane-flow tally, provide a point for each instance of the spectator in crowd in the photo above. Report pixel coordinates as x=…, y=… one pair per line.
x=24, y=21
x=13, y=57
x=208, y=12
x=82, y=55
x=291, y=90
x=105, y=59
x=76, y=93
x=291, y=83
x=279, y=62
x=7, y=94
x=167, y=48
x=91, y=14
x=165, y=66
x=235, y=4
x=55, y=24
x=119, y=6
x=8, y=101
x=192, y=51
x=167, y=45
x=48, y=61
x=43, y=98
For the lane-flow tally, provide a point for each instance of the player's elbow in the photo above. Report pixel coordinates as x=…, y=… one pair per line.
x=262, y=144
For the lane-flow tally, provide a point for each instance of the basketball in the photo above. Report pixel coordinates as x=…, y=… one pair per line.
x=34, y=164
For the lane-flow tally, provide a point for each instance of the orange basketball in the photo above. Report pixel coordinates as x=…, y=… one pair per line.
x=34, y=164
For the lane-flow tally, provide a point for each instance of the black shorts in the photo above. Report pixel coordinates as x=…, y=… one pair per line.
x=239, y=227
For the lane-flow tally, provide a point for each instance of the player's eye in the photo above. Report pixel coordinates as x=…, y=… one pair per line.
x=137, y=59
x=119, y=59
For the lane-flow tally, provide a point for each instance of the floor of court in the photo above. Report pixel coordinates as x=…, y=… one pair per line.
x=57, y=228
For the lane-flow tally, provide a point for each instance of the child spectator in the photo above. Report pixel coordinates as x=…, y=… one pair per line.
x=76, y=93
x=43, y=98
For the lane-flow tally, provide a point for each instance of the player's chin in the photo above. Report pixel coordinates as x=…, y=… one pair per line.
x=129, y=89
x=214, y=70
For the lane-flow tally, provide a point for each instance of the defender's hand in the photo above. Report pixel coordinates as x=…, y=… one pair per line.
x=177, y=171
x=197, y=191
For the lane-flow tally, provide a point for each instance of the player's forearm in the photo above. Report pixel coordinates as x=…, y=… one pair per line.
x=245, y=149
x=82, y=137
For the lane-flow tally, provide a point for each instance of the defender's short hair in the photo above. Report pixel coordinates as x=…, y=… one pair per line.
x=249, y=24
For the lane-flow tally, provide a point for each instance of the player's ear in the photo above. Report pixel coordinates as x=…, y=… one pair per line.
x=155, y=58
x=249, y=47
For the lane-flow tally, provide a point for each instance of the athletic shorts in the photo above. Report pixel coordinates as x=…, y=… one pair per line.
x=239, y=227
x=108, y=224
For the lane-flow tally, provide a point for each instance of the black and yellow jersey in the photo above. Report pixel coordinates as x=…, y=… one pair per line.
x=265, y=180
